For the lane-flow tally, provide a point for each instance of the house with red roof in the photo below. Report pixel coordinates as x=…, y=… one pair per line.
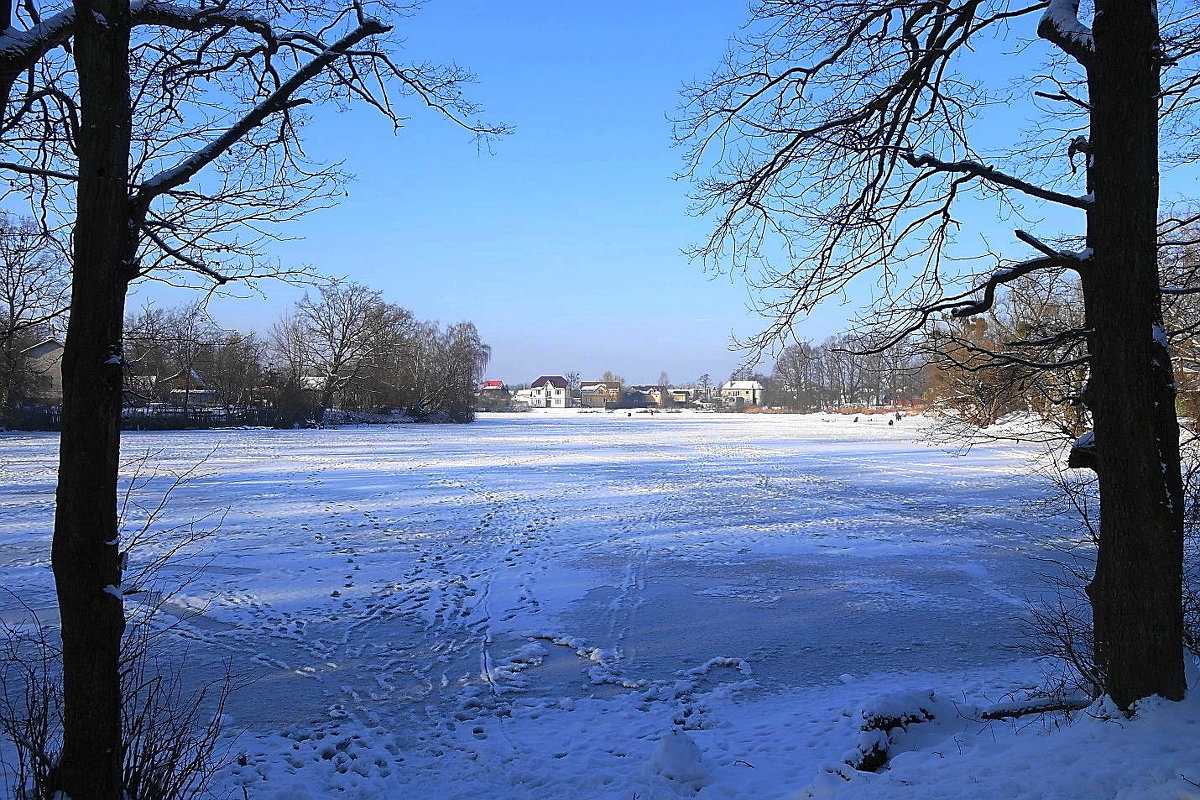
x=492, y=396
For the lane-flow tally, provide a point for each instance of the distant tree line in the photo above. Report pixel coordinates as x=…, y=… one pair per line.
x=342, y=346
x=980, y=369
x=833, y=374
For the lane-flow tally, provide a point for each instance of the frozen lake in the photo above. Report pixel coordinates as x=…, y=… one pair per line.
x=519, y=605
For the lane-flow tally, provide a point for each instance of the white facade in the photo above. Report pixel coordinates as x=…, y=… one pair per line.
x=44, y=361
x=550, y=391
x=747, y=393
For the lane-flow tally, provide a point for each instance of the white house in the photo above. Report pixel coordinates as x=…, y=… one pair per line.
x=44, y=361
x=522, y=399
x=550, y=391
x=742, y=393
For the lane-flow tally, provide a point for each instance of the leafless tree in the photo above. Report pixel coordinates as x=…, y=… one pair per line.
x=165, y=139
x=285, y=373
x=441, y=370
x=161, y=343
x=796, y=378
x=807, y=377
x=974, y=379
x=33, y=277
x=145, y=349
x=465, y=356
x=1180, y=265
x=841, y=136
x=611, y=377
x=236, y=368
x=344, y=328
x=33, y=295
x=191, y=338
x=664, y=389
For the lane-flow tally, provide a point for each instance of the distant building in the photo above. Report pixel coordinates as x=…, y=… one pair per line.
x=742, y=393
x=681, y=397
x=187, y=388
x=44, y=362
x=492, y=396
x=550, y=391
x=522, y=399
x=647, y=395
x=599, y=394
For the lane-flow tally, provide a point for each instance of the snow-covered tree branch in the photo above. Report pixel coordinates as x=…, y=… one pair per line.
x=1060, y=24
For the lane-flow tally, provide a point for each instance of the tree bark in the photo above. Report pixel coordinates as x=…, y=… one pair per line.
x=85, y=556
x=1136, y=591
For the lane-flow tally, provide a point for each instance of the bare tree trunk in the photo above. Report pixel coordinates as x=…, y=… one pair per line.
x=86, y=561
x=327, y=396
x=1136, y=591
x=10, y=369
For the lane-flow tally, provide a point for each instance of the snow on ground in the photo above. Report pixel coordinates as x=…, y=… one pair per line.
x=609, y=606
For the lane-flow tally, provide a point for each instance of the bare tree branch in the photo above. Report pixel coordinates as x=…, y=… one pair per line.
x=40, y=173
x=280, y=100
x=993, y=175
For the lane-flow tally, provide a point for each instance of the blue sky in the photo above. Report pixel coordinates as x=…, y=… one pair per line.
x=564, y=244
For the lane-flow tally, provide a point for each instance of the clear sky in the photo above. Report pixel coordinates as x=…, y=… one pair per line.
x=564, y=244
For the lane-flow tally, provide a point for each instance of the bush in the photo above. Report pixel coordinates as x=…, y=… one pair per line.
x=171, y=731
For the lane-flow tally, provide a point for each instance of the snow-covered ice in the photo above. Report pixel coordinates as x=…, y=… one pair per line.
x=607, y=606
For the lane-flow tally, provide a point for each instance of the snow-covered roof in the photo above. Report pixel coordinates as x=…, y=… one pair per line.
x=733, y=386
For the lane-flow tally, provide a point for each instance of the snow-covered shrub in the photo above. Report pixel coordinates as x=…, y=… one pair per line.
x=884, y=720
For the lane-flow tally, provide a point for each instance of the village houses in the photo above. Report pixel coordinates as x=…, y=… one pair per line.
x=554, y=391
